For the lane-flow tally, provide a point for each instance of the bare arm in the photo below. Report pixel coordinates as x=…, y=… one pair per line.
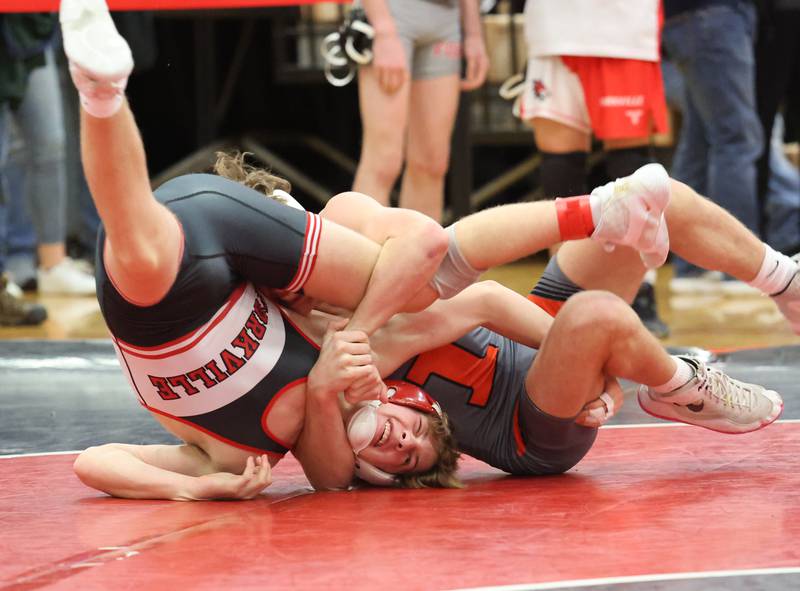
x=344, y=358
x=474, y=47
x=388, y=55
x=413, y=246
x=379, y=16
x=173, y=472
x=486, y=304
x=324, y=430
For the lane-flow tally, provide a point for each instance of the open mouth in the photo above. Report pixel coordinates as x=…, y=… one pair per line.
x=383, y=433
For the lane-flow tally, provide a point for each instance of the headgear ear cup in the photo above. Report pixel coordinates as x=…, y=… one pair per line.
x=369, y=473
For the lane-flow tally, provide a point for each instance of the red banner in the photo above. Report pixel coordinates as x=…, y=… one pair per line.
x=52, y=5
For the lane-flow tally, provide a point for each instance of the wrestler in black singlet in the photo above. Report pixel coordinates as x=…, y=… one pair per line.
x=214, y=353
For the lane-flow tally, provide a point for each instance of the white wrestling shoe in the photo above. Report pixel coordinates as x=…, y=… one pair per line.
x=632, y=213
x=714, y=401
x=788, y=299
x=100, y=60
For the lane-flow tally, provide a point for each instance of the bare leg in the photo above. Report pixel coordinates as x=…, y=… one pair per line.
x=383, y=117
x=503, y=234
x=51, y=253
x=708, y=236
x=143, y=239
x=555, y=137
x=588, y=265
x=700, y=231
x=433, y=106
x=595, y=335
x=564, y=150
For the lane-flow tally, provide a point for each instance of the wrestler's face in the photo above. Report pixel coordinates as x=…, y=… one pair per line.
x=402, y=442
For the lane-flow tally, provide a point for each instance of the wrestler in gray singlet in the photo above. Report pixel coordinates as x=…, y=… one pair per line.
x=480, y=382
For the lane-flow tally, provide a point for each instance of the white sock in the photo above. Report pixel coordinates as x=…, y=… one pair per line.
x=101, y=108
x=683, y=374
x=99, y=98
x=776, y=272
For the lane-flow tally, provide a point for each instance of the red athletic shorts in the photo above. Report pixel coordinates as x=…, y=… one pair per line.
x=624, y=98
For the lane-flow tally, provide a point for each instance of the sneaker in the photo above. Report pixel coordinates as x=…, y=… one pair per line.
x=21, y=269
x=707, y=282
x=632, y=213
x=100, y=60
x=788, y=300
x=644, y=304
x=714, y=401
x=15, y=311
x=66, y=278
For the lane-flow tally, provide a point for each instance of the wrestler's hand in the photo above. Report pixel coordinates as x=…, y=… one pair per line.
x=477, y=62
x=597, y=412
x=370, y=387
x=344, y=358
x=257, y=476
x=389, y=61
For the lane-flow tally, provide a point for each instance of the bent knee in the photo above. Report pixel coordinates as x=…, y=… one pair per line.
x=431, y=165
x=595, y=309
x=382, y=164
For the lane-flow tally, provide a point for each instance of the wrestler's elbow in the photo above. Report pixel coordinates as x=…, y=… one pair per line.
x=331, y=484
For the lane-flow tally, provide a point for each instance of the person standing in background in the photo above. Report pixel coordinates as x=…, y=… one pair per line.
x=409, y=96
x=777, y=68
x=30, y=99
x=712, y=43
x=594, y=70
x=14, y=74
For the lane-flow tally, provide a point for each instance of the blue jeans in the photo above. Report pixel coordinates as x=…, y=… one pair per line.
x=721, y=137
x=39, y=122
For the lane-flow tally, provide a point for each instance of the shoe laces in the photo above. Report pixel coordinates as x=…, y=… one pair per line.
x=724, y=390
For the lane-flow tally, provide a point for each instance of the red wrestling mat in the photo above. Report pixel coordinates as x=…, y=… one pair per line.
x=646, y=500
x=52, y=5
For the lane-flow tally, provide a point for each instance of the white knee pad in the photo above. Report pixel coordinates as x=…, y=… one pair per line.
x=454, y=273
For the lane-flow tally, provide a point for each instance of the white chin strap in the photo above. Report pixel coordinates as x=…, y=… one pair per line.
x=360, y=431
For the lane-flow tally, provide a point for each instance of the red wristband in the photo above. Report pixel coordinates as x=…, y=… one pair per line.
x=574, y=217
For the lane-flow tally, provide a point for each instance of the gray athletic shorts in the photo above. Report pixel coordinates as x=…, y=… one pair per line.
x=431, y=34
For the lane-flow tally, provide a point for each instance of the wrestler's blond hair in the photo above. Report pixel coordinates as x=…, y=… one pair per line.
x=443, y=473
x=233, y=166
